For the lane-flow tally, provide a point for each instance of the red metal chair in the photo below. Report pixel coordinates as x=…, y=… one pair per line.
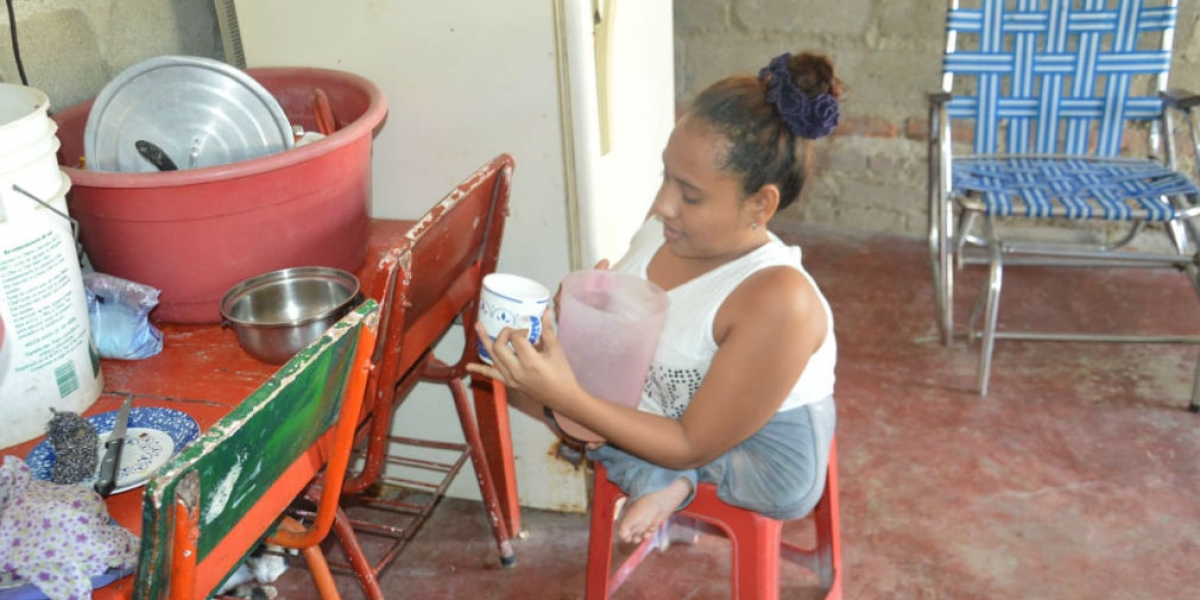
x=430, y=281
x=756, y=541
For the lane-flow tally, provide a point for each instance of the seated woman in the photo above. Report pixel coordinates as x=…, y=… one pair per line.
x=740, y=392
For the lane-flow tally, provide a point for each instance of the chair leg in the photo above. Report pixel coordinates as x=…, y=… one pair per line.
x=944, y=271
x=936, y=245
x=600, y=536
x=483, y=474
x=756, y=544
x=321, y=574
x=966, y=224
x=317, y=565
x=941, y=233
x=825, y=558
x=1194, y=406
x=945, y=293
x=344, y=530
x=829, y=531
x=991, y=312
x=491, y=416
x=756, y=552
x=1183, y=232
x=1193, y=274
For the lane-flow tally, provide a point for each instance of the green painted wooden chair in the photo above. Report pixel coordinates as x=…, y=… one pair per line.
x=214, y=502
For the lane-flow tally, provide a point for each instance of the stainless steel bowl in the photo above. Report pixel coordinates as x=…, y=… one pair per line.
x=277, y=314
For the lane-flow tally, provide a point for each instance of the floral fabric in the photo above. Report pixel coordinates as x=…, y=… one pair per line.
x=57, y=537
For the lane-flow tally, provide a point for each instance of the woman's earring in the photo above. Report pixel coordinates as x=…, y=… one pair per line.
x=754, y=226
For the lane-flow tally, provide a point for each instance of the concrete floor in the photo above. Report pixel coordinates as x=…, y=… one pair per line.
x=1078, y=476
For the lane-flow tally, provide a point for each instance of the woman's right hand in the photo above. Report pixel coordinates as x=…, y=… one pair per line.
x=542, y=372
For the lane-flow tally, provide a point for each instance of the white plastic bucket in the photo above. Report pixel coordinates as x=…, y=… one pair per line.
x=28, y=148
x=4, y=352
x=49, y=360
x=23, y=116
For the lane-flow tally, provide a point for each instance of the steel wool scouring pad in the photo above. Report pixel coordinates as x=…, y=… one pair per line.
x=76, y=444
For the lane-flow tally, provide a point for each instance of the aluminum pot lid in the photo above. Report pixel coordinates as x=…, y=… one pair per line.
x=200, y=112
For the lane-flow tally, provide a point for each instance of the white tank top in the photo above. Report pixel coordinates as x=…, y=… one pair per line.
x=687, y=346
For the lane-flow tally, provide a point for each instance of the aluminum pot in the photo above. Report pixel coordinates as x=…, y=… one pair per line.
x=277, y=314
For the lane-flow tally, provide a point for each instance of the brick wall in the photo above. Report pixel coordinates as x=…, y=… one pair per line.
x=871, y=172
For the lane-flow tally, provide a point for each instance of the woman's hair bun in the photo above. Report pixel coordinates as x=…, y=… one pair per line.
x=804, y=92
x=813, y=74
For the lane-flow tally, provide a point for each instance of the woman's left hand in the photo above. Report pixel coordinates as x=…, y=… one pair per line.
x=541, y=372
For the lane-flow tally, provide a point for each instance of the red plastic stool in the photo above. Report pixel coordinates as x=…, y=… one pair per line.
x=756, y=541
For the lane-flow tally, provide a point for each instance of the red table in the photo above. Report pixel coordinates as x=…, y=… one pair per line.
x=203, y=372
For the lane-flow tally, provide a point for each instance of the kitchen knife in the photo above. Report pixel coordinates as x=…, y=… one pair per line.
x=110, y=465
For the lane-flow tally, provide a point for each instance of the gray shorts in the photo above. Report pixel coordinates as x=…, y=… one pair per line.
x=778, y=472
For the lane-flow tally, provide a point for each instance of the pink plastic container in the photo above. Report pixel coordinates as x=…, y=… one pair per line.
x=608, y=325
x=193, y=234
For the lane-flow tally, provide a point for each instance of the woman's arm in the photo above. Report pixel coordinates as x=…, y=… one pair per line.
x=766, y=331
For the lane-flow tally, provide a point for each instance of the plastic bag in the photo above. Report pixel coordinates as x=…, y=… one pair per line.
x=119, y=311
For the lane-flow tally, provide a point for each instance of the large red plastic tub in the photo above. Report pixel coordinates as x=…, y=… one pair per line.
x=193, y=234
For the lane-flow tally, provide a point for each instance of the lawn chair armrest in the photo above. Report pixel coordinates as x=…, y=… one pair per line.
x=1190, y=212
x=1180, y=99
x=939, y=98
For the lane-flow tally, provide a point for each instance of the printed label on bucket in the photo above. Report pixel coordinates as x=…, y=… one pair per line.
x=66, y=379
x=47, y=358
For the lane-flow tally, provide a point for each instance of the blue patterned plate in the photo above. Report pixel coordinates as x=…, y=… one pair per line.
x=152, y=437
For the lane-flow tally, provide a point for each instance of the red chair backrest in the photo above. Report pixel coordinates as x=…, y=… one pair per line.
x=438, y=273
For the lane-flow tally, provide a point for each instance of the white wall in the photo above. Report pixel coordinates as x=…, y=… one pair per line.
x=464, y=81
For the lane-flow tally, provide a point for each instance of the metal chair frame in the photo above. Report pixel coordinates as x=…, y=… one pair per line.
x=965, y=224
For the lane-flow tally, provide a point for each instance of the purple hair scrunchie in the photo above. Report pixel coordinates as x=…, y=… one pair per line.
x=808, y=117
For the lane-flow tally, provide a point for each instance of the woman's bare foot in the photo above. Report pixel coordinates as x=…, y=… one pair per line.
x=646, y=514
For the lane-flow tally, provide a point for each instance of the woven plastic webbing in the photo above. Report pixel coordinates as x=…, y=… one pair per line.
x=1056, y=76
x=1110, y=189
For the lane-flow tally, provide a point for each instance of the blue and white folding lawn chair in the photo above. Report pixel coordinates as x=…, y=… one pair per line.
x=1050, y=90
